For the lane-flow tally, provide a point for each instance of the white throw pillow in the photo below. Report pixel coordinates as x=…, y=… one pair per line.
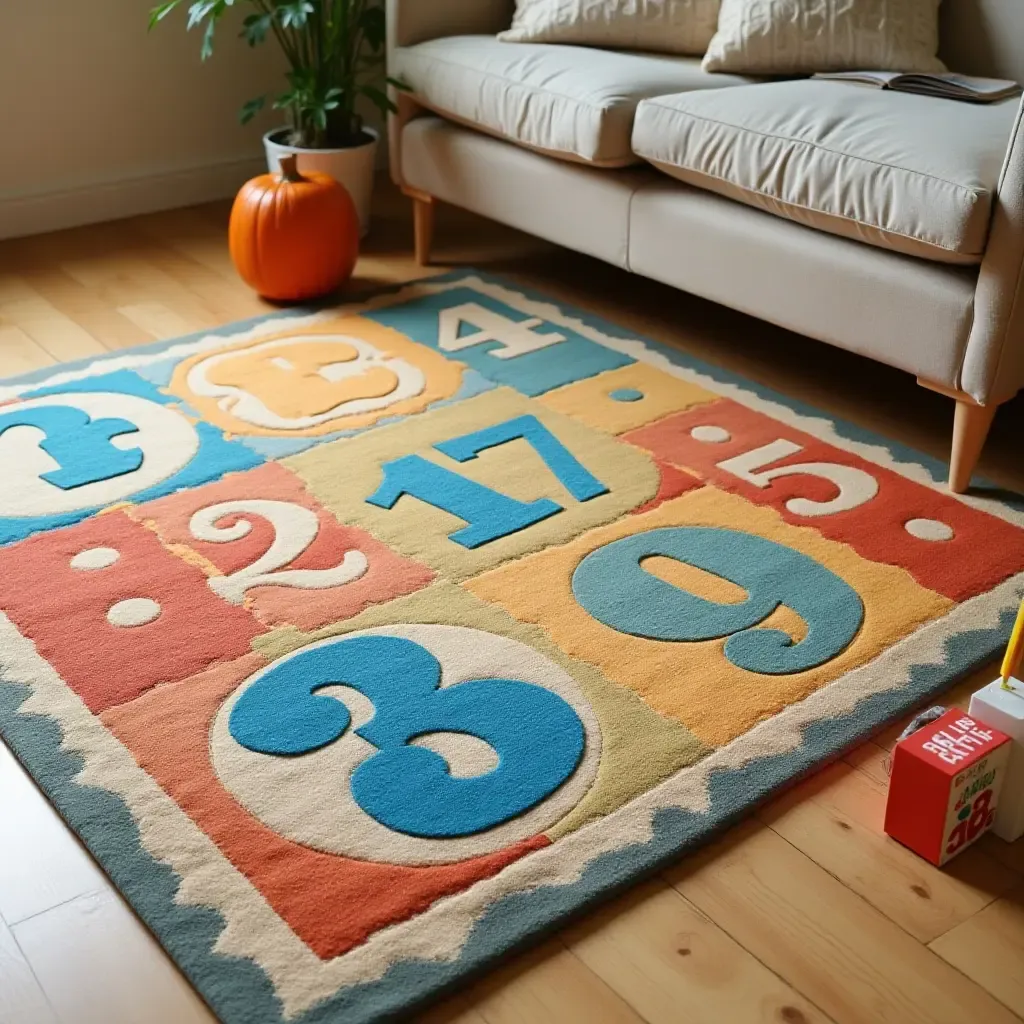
x=666, y=26
x=785, y=37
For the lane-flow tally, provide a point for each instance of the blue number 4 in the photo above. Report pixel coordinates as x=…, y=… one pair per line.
x=538, y=737
x=487, y=513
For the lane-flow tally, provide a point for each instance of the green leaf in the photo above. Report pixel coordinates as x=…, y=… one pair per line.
x=379, y=99
x=158, y=13
x=255, y=28
x=295, y=15
x=200, y=9
x=251, y=109
x=206, y=50
x=397, y=83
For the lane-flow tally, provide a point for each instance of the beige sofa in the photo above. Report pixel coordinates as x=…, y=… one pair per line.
x=887, y=224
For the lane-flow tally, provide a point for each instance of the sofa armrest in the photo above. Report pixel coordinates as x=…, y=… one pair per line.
x=993, y=368
x=415, y=21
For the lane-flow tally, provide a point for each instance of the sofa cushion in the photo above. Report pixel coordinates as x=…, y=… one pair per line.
x=786, y=37
x=661, y=26
x=568, y=101
x=908, y=173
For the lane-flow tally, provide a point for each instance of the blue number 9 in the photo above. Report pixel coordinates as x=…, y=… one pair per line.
x=538, y=737
x=613, y=586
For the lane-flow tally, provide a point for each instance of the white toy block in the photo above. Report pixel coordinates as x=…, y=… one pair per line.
x=1003, y=709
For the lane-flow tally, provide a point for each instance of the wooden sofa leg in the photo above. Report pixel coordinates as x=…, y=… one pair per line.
x=971, y=424
x=423, y=206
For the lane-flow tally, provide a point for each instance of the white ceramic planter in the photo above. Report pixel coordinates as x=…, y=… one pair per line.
x=353, y=167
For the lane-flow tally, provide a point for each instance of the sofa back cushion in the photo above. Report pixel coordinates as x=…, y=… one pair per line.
x=665, y=26
x=984, y=37
x=786, y=37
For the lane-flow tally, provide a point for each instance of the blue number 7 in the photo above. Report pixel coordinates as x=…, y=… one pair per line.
x=580, y=483
x=489, y=514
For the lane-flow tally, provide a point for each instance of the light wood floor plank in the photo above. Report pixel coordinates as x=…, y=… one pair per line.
x=41, y=862
x=873, y=760
x=674, y=965
x=454, y=1010
x=87, y=308
x=990, y=949
x=126, y=281
x=836, y=819
x=60, y=336
x=227, y=300
x=21, y=999
x=548, y=985
x=98, y=965
x=13, y=286
x=823, y=939
x=1010, y=855
x=160, y=320
x=19, y=353
x=189, y=233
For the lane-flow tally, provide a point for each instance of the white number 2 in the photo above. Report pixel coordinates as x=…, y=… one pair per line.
x=295, y=528
x=855, y=486
x=517, y=336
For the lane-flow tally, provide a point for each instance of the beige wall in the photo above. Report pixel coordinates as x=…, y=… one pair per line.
x=99, y=119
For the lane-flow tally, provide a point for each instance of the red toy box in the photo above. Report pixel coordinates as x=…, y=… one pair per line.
x=945, y=784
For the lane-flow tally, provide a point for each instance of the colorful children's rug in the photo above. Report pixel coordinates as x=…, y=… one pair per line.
x=360, y=645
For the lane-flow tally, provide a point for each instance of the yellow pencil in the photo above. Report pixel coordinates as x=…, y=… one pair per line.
x=1015, y=652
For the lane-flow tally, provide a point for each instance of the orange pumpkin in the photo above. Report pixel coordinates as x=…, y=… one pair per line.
x=293, y=236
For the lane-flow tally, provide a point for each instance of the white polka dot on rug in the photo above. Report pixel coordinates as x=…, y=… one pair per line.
x=134, y=611
x=710, y=434
x=928, y=529
x=95, y=558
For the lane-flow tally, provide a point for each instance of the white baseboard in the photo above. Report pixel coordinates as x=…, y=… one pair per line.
x=128, y=197
x=51, y=211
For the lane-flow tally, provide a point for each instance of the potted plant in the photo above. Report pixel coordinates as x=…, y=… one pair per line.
x=335, y=55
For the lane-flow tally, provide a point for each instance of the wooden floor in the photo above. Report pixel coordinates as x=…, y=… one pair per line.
x=803, y=913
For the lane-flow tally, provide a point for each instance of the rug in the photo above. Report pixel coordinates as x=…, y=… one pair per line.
x=361, y=644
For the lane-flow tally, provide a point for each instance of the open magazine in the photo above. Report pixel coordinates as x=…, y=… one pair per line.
x=948, y=84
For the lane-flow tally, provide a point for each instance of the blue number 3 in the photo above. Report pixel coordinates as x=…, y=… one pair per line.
x=537, y=735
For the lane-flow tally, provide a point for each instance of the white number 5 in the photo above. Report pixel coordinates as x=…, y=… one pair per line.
x=855, y=486
x=295, y=528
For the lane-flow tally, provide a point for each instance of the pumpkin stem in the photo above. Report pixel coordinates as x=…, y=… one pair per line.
x=290, y=168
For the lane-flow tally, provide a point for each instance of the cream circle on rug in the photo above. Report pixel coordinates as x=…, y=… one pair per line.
x=710, y=434
x=928, y=529
x=307, y=798
x=134, y=611
x=95, y=558
x=166, y=438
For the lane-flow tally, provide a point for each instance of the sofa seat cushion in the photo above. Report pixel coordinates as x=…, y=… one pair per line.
x=569, y=101
x=913, y=174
